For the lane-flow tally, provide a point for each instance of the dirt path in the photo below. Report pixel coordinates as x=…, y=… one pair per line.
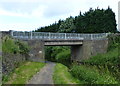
x=44, y=76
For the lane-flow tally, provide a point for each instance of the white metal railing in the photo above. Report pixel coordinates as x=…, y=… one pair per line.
x=57, y=36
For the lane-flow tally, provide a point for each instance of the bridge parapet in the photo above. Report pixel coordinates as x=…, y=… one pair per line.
x=57, y=36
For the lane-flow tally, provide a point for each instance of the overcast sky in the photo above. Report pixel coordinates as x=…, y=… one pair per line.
x=27, y=15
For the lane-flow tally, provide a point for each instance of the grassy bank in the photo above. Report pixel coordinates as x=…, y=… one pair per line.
x=62, y=75
x=99, y=69
x=23, y=73
x=102, y=68
x=14, y=53
x=109, y=58
x=92, y=75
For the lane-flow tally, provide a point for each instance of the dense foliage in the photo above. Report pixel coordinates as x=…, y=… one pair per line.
x=59, y=54
x=64, y=57
x=10, y=45
x=91, y=75
x=114, y=41
x=92, y=21
x=51, y=28
x=109, y=58
x=96, y=21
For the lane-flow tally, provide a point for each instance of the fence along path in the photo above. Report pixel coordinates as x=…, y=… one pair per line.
x=57, y=36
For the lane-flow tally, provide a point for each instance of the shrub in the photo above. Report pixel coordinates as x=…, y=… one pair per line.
x=91, y=75
x=63, y=57
x=10, y=45
x=114, y=41
x=23, y=47
x=58, y=54
x=109, y=60
x=110, y=57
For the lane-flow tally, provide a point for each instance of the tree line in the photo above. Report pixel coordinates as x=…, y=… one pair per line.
x=93, y=21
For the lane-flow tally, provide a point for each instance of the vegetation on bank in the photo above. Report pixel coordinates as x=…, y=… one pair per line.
x=62, y=76
x=23, y=73
x=102, y=68
x=16, y=48
x=99, y=69
x=92, y=75
x=10, y=45
x=0, y=46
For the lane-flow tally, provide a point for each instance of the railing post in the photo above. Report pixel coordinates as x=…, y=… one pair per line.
x=91, y=36
x=65, y=36
x=49, y=35
x=31, y=35
x=106, y=34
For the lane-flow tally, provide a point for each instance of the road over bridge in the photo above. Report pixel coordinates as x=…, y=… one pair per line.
x=82, y=45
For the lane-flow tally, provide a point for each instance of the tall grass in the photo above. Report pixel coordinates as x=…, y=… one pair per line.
x=62, y=76
x=111, y=57
x=91, y=75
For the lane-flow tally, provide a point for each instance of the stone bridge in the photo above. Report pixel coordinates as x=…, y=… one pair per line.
x=82, y=45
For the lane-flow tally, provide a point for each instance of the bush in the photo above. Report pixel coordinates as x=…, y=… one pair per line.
x=23, y=47
x=58, y=54
x=110, y=57
x=114, y=41
x=91, y=75
x=109, y=60
x=63, y=57
x=10, y=45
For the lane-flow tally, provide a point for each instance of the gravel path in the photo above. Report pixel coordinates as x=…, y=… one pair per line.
x=44, y=76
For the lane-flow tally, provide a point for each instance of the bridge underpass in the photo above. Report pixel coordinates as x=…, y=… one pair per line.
x=82, y=45
x=75, y=46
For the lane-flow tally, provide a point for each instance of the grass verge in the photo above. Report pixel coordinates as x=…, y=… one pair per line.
x=62, y=75
x=23, y=73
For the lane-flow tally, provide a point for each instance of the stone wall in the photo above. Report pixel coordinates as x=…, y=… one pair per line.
x=99, y=46
x=36, y=53
x=88, y=48
x=11, y=61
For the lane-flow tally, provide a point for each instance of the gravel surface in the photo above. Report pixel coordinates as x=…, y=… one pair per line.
x=44, y=76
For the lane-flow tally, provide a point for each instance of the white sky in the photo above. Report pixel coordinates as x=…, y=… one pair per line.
x=27, y=15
